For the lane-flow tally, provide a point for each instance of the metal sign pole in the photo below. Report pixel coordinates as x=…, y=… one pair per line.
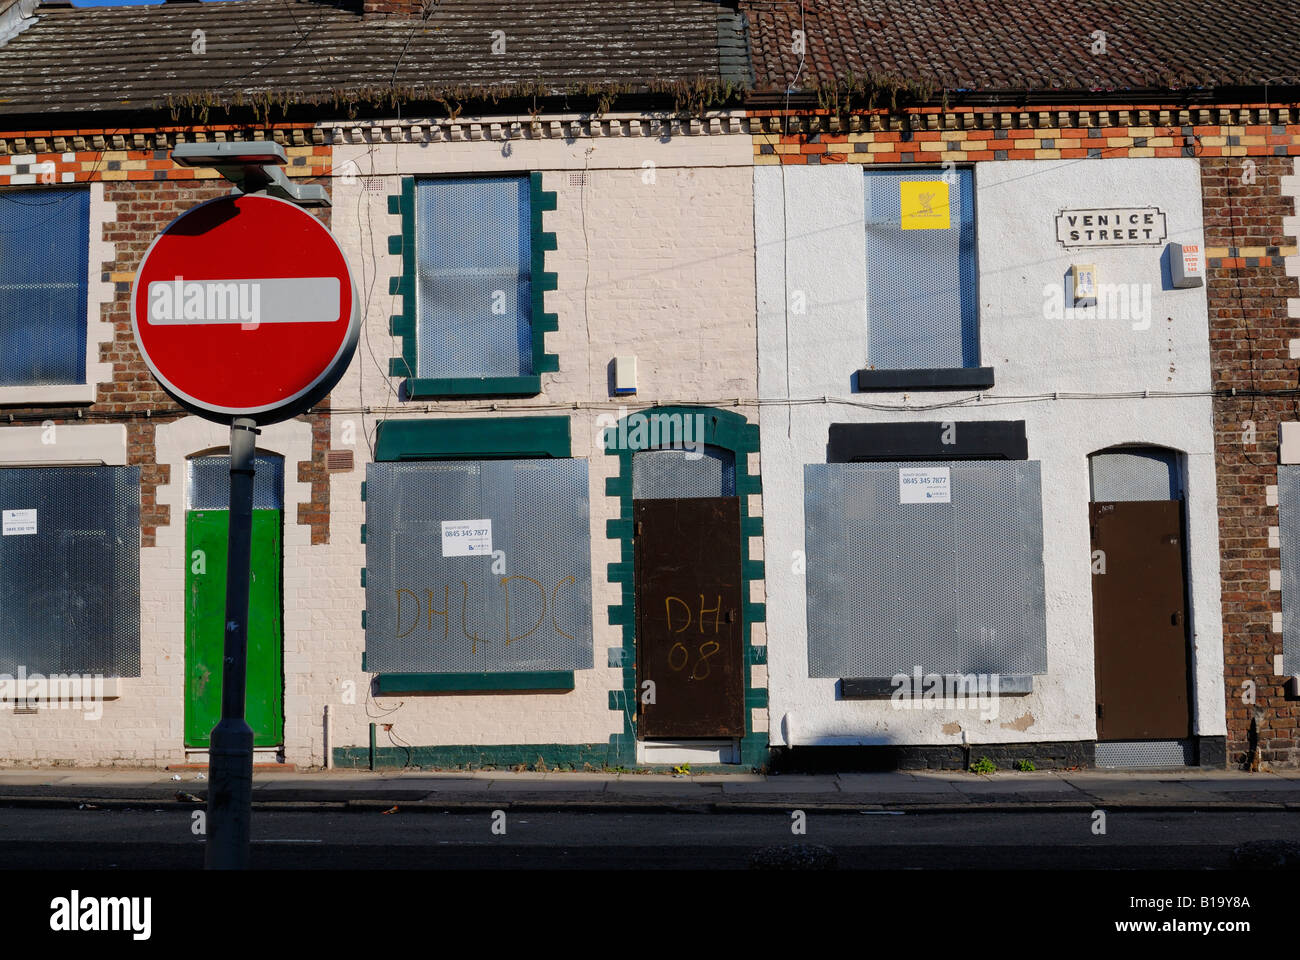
x=230, y=754
x=256, y=237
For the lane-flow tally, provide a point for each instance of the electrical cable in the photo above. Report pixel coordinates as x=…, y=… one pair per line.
x=623, y=405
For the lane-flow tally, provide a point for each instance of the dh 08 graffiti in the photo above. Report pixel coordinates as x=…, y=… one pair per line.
x=680, y=656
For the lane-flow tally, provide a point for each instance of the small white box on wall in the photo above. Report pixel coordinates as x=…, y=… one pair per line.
x=1083, y=281
x=1186, y=265
x=624, y=375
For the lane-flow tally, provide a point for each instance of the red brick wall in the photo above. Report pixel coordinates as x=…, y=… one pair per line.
x=1250, y=336
x=149, y=192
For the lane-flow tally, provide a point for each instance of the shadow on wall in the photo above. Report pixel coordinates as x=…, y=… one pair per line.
x=885, y=758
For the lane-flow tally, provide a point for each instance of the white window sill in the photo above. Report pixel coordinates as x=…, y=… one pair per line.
x=48, y=395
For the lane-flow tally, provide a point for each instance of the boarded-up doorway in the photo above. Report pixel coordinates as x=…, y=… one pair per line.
x=207, y=526
x=1140, y=602
x=690, y=666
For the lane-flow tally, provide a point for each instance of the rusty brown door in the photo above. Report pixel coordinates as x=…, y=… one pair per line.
x=1139, y=606
x=688, y=610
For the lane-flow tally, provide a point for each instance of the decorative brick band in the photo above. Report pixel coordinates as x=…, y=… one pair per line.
x=1042, y=143
x=87, y=166
x=99, y=139
x=1008, y=117
x=1236, y=263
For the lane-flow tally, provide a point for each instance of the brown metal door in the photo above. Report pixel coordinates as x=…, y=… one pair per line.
x=1139, y=609
x=688, y=611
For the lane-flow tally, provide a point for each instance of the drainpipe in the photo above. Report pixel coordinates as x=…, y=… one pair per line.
x=329, y=740
x=372, y=746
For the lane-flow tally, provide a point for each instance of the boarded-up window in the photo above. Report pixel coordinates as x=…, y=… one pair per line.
x=44, y=258
x=478, y=566
x=70, y=570
x=951, y=585
x=207, y=482
x=922, y=306
x=665, y=474
x=474, y=267
x=1135, y=473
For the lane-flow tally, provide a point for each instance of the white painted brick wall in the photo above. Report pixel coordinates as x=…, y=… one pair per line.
x=669, y=278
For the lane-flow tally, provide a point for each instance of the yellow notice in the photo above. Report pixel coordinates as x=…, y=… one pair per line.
x=923, y=204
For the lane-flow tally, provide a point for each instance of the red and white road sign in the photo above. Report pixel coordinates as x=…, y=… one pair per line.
x=245, y=307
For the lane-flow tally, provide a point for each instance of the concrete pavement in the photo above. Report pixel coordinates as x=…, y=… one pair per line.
x=416, y=790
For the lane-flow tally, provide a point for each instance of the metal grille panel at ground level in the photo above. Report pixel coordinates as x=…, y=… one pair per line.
x=1136, y=754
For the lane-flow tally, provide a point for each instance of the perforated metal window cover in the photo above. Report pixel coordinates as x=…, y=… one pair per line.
x=922, y=285
x=207, y=483
x=70, y=593
x=1135, y=473
x=538, y=620
x=1288, y=508
x=674, y=474
x=44, y=263
x=474, y=269
x=950, y=587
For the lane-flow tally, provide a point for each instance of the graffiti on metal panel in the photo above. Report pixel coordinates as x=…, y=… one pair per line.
x=422, y=609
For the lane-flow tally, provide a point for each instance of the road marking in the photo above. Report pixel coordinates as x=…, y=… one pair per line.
x=287, y=841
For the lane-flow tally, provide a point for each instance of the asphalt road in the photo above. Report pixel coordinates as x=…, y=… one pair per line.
x=37, y=839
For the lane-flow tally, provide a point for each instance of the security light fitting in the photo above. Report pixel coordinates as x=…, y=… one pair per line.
x=253, y=167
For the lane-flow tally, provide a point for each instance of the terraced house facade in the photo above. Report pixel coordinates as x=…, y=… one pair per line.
x=558, y=333
x=1045, y=304
x=730, y=390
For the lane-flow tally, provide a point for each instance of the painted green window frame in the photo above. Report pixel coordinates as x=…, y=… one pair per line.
x=404, y=325
x=472, y=438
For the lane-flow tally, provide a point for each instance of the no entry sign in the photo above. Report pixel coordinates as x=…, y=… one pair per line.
x=245, y=307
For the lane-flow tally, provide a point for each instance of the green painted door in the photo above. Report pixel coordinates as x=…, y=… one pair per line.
x=205, y=611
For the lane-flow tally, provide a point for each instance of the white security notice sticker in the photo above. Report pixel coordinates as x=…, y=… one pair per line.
x=924, y=485
x=466, y=538
x=19, y=522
